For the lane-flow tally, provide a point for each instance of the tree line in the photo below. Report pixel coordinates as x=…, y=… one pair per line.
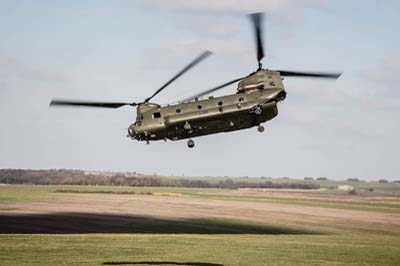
x=77, y=177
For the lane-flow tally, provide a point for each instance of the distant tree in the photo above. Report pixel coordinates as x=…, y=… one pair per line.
x=383, y=181
x=79, y=177
x=353, y=180
x=229, y=184
x=353, y=192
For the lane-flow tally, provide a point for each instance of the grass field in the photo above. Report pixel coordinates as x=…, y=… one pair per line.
x=203, y=227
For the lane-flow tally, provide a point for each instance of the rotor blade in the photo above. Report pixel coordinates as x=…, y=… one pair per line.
x=89, y=104
x=200, y=58
x=309, y=74
x=213, y=89
x=257, y=19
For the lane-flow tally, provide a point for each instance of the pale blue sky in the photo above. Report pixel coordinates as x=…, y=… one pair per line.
x=124, y=50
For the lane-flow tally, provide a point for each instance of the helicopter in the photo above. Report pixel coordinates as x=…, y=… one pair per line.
x=254, y=103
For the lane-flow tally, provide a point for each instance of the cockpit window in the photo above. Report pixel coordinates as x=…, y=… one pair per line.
x=139, y=119
x=156, y=115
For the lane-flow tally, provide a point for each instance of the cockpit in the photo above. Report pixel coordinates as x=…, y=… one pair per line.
x=139, y=119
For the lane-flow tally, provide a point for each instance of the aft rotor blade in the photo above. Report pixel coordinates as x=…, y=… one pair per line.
x=214, y=89
x=309, y=74
x=55, y=102
x=200, y=58
x=257, y=19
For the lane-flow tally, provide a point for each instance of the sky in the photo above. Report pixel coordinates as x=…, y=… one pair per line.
x=120, y=50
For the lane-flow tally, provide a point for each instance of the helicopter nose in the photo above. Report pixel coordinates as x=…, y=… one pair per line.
x=131, y=131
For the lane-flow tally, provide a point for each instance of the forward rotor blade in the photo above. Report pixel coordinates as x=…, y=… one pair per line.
x=213, y=89
x=309, y=74
x=200, y=58
x=257, y=19
x=89, y=104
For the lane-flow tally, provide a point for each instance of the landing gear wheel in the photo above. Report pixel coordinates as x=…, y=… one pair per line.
x=258, y=110
x=260, y=129
x=190, y=143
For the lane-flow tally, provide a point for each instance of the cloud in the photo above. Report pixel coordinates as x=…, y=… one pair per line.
x=190, y=45
x=329, y=110
x=387, y=72
x=223, y=34
x=384, y=78
x=13, y=69
x=237, y=6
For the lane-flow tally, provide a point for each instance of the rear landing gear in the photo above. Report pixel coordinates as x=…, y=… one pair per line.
x=260, y=129
x=190, y=143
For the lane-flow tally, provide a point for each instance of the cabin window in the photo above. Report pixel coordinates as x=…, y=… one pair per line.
x=241, y=99
x=156, y=115
x=199, y=107
x=178, y=111
x=220, y=103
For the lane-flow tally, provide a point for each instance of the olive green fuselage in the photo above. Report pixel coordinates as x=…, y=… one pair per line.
x=247, y=108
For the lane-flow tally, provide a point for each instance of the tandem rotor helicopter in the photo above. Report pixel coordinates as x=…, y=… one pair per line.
x=254, y=103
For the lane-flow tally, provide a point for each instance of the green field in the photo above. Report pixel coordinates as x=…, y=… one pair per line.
x=203, y=227
x=197, y=250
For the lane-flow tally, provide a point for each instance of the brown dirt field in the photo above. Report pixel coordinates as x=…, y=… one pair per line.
x=304, y=194
x=72, y=213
